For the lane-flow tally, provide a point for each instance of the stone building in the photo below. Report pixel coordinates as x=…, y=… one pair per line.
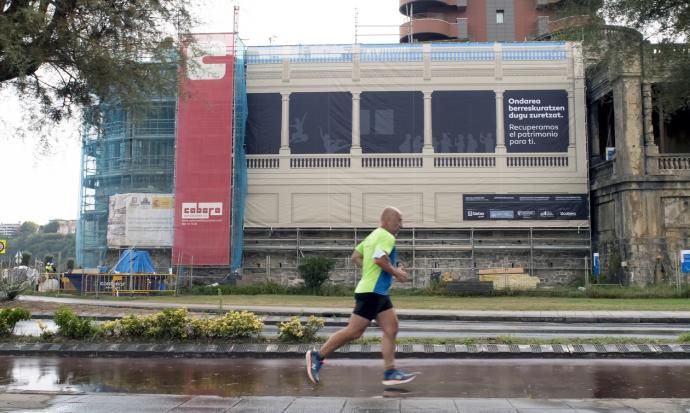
x=641, y=190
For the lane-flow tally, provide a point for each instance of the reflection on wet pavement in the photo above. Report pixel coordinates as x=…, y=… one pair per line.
x=352, y=378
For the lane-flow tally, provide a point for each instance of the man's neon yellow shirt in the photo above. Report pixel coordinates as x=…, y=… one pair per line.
x=374, y=279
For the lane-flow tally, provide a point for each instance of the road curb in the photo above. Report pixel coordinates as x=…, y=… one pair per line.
x=351, y=351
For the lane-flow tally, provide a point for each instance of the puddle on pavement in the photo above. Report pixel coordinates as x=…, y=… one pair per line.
x=352, y=378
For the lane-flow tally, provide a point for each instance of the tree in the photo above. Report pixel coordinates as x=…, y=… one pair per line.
x=314, y=271
x=667, y=23
x=70, y=54
x=28, y=228
x=51, y=227
x=667, y=20
x=26, y=259
x=641, y=33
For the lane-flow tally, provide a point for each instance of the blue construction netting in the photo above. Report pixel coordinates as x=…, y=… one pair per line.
x=120, y=155
x=440, y=52
x=239, y=187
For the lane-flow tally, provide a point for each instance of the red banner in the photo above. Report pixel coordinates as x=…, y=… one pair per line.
x=203, y=154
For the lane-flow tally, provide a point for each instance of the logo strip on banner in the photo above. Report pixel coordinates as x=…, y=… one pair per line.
x=203, y=168
x=478, y=207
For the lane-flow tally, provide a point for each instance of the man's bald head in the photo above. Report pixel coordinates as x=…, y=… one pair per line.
x=391, y=219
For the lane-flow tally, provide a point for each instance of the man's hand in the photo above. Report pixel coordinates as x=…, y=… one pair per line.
x=397, y=272
x=400, y=274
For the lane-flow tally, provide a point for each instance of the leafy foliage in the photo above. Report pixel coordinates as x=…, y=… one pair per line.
x=9, y=317
x=177, y=324
x=64, y=53
x=51, y=227
x=314, y=271
x=293, y=330
x=668, y=20
x=41, y=245
x=28, y=228
x=14, y=282
x=26, y=258
x=650, y=36
x=72, y=326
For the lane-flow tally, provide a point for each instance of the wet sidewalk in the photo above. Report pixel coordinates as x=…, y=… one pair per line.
x=397, y=402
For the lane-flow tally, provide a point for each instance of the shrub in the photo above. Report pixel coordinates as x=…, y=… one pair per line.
x=15, y=282
x=127, y=326
x=176, y=324
x=684, y=338
x=200, y=328
x=171, y=324
x=72, y=326
x=235, y=324
x=9, y=317
x=293, y=330
x=314, y=271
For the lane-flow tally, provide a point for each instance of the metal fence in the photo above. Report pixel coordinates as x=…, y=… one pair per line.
x=117, y=284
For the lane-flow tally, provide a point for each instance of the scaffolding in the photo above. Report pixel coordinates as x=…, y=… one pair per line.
x=130, y=150
x=239, y=179
x=556, y=256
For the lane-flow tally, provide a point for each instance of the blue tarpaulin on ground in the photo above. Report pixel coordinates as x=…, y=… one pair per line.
x=133, y=261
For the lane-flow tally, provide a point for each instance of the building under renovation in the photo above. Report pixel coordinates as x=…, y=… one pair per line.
x=482, y=146
x=489, y=150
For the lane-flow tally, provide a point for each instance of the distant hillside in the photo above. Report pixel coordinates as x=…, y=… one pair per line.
x=39, y=245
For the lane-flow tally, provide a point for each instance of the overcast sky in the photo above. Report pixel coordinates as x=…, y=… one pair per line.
x=38, y=186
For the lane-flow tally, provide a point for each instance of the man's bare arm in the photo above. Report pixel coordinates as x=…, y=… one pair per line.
x=357, y=258
x=385, y=263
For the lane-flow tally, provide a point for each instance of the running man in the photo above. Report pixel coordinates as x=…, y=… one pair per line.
x=376, y=256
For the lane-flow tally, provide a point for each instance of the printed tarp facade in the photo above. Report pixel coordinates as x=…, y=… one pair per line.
x=203, y=157
x=336, y=133
x=140, y=220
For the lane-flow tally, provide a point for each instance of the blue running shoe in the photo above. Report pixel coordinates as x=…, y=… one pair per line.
x=394, y=376
x=314, y=363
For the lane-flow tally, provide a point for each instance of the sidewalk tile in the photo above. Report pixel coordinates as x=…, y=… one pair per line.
x=209, y=402
x=262, y=404
x=484, y=406
x=316, y=405
x=598, y=405
x=371, y=405
x=522, y=404
x=658, y=405
x=428, y=405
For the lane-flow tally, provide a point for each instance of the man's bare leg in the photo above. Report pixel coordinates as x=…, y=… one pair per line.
x=354, y=329
x=388, y=321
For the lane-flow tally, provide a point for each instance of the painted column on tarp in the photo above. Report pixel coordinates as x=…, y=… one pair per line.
x=203, y=169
